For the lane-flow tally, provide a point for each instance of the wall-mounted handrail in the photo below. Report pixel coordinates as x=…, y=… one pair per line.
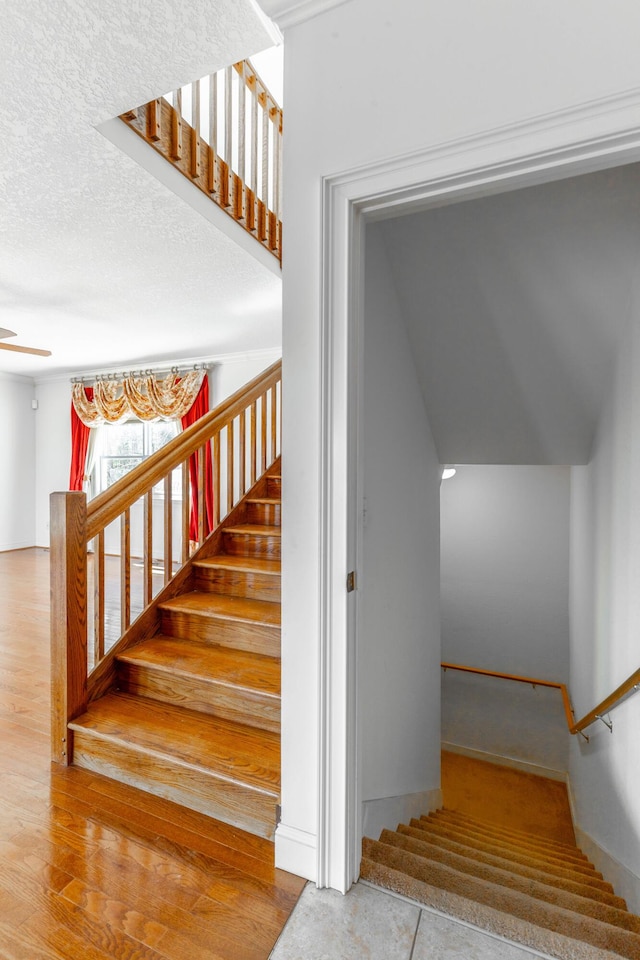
x=532, y=681
x=629, y=686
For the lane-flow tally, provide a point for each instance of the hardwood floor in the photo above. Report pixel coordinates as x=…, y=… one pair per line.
x=91, y=869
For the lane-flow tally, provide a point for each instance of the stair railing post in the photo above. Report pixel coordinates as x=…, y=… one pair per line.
x=68, y=556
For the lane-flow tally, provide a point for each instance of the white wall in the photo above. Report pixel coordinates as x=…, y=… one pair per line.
x=399, y=627
x=605, y=620
x=505, y=569
x=364, y=81
x=17, y=462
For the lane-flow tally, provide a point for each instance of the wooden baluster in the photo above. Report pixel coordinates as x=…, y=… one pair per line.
x=228, y=117
x=277, y=160
x=230, y=470
x=201, y=495
x=253, y=434
x=216, y=479
x=147, y=550
x=68, y=524
x=168, y=527
x=242, y=453
x=98, y=597
x=154, y=108
x=213, y=131
x=263, y=433
x=242, y=123
x=254, y=134
x=176, y=128
x=125, y=570
x=273, y=423
x=186, y=510
x=196, y=162
x=265, y=152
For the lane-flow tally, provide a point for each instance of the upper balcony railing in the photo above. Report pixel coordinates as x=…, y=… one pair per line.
x=224, y=133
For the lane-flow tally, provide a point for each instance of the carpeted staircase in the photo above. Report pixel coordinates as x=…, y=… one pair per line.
x=532, y=890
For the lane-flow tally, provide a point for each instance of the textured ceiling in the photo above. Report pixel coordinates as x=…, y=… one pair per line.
x=99, y=262
x=515, y=306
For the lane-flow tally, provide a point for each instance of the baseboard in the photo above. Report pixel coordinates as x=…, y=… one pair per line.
x=388, y=812
x=625, y=882
x=296, y=852
x=534, y=768
x=14, y=547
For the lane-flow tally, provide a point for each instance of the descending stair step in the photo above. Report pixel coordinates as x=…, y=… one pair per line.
x=251, y=625
x=554, y=875
x=202, y=676
x=480, y=915
x=252, y=539
x=265, y=510
x=538, y=889
x=573, y=871
x=516, y=837
x=223, y=769
x=596, y=932
x=574, y=858
x=256, y=578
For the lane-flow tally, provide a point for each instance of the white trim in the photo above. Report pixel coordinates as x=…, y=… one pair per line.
x=289, y=13
x=590, y=136
x=625, y=882
x=17, y=378
x=388, y=812
x=297, y=849
x=512, y=762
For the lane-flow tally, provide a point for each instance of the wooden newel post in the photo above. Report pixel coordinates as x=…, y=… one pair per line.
x=68, y=525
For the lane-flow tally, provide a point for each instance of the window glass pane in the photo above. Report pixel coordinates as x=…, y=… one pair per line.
x=115, y=467
x=124, y=439
x=160, y=433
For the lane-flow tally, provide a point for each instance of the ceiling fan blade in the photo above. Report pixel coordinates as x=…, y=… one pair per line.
x=4, y=333
x=17, y=349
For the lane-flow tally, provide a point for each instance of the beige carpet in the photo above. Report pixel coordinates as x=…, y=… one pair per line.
x=532, y=886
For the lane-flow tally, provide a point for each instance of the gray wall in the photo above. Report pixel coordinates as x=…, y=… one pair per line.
x=505, y=569
x=399, y=625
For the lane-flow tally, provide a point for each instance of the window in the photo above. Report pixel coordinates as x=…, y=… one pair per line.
x=122, y=446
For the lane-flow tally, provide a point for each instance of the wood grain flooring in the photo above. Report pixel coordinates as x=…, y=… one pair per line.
x=92, y=869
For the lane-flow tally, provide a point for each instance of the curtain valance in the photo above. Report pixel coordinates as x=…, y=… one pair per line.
x=144, y=397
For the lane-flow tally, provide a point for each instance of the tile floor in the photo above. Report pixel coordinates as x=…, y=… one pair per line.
x=370, y=924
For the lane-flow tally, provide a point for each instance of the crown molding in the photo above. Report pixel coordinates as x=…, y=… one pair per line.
x=18, y=378
x=289, y=13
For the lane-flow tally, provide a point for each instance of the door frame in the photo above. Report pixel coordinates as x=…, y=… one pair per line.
x=601, y=134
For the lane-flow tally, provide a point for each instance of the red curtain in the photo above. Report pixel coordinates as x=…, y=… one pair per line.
x=199, y=408
x=79, y=446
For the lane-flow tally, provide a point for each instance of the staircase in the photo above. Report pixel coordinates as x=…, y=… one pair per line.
x=532, y=890
x=195, y=712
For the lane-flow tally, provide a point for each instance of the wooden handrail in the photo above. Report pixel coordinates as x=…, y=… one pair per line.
x=226, y=447
x=108, y=506
x=533, y=681
x=630, y=684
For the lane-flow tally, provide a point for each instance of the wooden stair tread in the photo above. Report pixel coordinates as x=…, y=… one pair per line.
x=222, y=748
x=201, y=603
x=227, y=561
x=269, y=500
x=253, y=530
x=222, y=665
